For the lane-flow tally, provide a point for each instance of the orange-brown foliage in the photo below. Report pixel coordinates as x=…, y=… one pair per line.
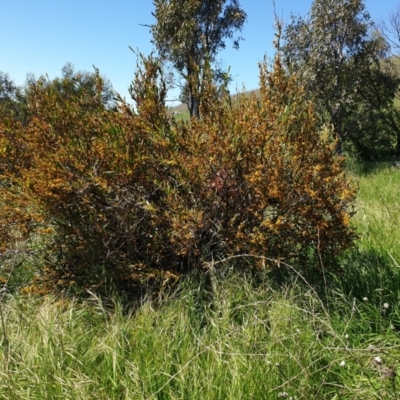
x=127, y=191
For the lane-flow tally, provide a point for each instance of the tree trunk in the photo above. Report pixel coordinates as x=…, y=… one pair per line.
x=337, y=121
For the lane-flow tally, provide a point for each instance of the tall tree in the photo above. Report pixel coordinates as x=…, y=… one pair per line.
x=190, y=34
x=389, y=29
x=338, y=55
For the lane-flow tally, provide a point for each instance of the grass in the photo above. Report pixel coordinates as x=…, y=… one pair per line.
x=378, y=216
x=373, y=268
x=242, y=338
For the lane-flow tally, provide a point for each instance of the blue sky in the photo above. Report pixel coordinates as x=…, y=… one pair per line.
x=40, y=36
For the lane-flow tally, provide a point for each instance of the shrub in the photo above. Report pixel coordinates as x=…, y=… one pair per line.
x=132, y=192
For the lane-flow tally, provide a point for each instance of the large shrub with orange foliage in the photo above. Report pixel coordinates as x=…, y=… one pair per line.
x=122, y=192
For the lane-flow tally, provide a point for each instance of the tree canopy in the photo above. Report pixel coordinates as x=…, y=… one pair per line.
x=12, y=102
x=190, y=34
x=338, y=56
x=74, y=83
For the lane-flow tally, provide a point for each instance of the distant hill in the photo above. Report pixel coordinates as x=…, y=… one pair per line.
x=183, y=109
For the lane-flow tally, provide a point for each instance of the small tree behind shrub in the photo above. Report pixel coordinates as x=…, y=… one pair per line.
x=124, y=193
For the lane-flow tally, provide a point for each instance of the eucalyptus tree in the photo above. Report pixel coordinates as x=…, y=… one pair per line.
x=338, y=55
x=190, y=33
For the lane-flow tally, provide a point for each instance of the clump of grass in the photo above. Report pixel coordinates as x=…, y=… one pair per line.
x=240, y=341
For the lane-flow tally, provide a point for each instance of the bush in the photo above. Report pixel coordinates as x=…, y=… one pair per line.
x=124, y=193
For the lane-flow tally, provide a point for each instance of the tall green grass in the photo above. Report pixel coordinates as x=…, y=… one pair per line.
x=245, y=342
x=372, y=269
x=238, y=337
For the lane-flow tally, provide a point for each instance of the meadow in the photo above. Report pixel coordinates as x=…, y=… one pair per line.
x=248, y=336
